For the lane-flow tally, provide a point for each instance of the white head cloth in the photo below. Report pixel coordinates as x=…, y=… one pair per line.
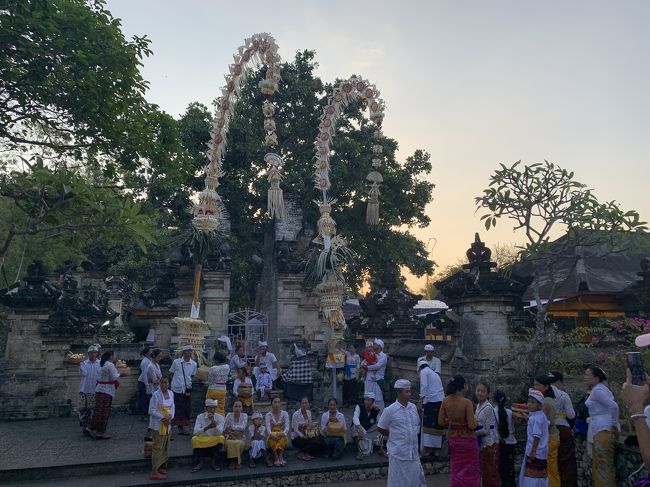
x=428, y=347
x=263, y=344
x=211, y=402
x=402, y=384
x=226, y=340
x=535, y=394
x=299, y=353
x=380, y=342
x=369, y=395
x=187, y=348
x=256, y=415
x=92, y=348
x=422, y=362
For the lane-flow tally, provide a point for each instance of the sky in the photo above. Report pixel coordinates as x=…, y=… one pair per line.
x=473, y=83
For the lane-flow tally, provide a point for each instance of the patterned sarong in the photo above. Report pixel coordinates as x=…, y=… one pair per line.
x=603, y=468
x=102, y=412
x=489, y=465
x=464, y=462
x=159, y=450
x=536, y=468
x=85, y=407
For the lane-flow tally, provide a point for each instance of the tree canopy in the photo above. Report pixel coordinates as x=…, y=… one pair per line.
x=300, y=102
x=545, y=201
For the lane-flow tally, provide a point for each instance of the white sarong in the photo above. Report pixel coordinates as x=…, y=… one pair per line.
x=257, y=447
x=402, y=473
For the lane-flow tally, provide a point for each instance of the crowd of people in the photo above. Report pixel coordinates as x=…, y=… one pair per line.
x=481, y=437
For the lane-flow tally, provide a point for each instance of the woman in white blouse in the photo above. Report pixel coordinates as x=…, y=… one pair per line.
x=277, y=426
x=217, y=379
x=305, y=433
x=161, y=413
x=488, y=437
x=332, y=424
x=603, y=427
x=235, y=432
x=107, y=385
x=153, y=371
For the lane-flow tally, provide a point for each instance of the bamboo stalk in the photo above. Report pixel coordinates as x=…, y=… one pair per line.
x=197, y=283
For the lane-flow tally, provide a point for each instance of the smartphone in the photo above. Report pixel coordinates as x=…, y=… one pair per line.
x=635, y=364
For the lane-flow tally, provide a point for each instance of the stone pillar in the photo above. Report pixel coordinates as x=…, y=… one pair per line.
x=33, y=378
x=215, y=297
x=297, y=315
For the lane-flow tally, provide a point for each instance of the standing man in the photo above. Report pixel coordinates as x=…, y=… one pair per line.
x=183, y=369
x=89, y=370
x=400, y=423
x=265, y=357
x=375, y=374
x=431, y=395
x=432, y=360
x=564, y=412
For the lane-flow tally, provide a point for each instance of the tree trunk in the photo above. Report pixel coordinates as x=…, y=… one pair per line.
x=7, y=245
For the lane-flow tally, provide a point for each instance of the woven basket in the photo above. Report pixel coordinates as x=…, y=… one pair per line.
x=202, y=374
x=72, y=360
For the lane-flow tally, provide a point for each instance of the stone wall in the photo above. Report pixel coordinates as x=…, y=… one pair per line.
x=35, y=379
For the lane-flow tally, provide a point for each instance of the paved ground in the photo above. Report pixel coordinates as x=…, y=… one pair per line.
x=58, y=441
x=441, y=480
x=54, y=452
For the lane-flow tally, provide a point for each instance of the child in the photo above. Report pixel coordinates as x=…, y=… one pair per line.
x=508, y=442
x=242, y=389
x=534, y=469
x=264, y=382
x=368, y=357
x=257, y=439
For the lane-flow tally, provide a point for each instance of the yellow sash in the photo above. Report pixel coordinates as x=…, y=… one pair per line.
x=164, y=429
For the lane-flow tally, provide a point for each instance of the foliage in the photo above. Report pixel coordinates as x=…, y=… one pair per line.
x=50, y=203
x=71, y=95
x=300, y=102
x=545, y=200
x=70, y=80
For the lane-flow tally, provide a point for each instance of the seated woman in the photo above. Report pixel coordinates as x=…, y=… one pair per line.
x=242, y=390
x=305, y=434
x=257, y=440
x=235, y=432
x=364, y=425
x=217, y=379
x=277, y=426
x=161, y=413
x=208, y=438
x=332, y=424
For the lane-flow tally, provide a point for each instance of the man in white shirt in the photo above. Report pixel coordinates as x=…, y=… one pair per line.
x=183, y=369
x=375, y=373
x=431, y=395
x=432, y=360
x=208, y=439
x=266, y=357
x=400, y=423
x=89, y=370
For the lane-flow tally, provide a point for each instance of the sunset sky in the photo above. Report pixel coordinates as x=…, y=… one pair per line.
x=473, y=83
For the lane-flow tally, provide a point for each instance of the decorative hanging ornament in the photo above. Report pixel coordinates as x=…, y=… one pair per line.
x=326, y=224
x=275, y=198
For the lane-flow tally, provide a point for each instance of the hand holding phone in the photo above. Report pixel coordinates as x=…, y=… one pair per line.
x=635, y=364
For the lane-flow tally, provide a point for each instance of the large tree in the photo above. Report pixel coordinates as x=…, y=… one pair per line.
x=545, y=202
x=82, y=151
x=300, y=102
